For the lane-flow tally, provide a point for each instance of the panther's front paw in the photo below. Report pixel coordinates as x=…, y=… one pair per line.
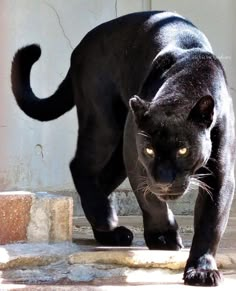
x=169, y=240
x=200, y=277
x=119, y=236
x=202, y=272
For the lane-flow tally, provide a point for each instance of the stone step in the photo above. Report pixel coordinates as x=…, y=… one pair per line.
x=35, y=217
x=87, y=264
x=42, y=263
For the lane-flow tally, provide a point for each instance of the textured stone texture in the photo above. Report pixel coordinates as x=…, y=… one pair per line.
x=51, y=218
x=54, y=264
x=109, y=279
x=61, y=219
x=136, y=259
x=30, y=217
x=173, y=260
x=14, y=216
x=41, y=254
x=68, y=262
x=14, y=256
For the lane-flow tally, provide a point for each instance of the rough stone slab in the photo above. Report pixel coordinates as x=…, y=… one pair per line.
x=139, y=259
x=35, y=217
x=14, y=216
x=52, y=264
x=41, y=254
x=35, y=254
x=51, y=218
x=135, y=281
x=61, y=274
x=174, y=260
x=48, y=269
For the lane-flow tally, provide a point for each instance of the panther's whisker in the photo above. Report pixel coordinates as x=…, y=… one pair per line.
x=203, y=186
x=143, y=134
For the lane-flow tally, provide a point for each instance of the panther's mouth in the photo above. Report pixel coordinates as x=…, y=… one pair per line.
x=166, y=197
x=167, y=193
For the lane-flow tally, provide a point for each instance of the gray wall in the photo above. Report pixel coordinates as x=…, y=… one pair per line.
x=29, y=148
x=34, y=155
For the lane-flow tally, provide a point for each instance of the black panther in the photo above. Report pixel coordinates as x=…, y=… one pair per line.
x=153, y=104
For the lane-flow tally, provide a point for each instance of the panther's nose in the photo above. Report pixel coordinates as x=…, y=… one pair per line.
x=165, y=176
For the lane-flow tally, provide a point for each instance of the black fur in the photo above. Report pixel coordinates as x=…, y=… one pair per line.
x=153, y=105
x=41, y=109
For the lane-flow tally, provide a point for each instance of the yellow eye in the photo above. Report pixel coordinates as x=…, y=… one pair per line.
x=183, y=152
x=150, y=152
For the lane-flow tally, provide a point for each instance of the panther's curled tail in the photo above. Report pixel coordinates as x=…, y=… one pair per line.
x=41, y=109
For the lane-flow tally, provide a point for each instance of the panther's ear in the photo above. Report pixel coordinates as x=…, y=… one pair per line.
x=138, y=107
x=203, y=111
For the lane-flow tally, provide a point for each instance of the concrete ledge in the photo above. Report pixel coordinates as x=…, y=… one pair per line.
x=35, y=217
x=70, y=263
x=173, y=260
x=135, y=259
x=14, y=256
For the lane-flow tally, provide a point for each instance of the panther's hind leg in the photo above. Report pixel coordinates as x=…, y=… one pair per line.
x=112, y=175
x=97, y=170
